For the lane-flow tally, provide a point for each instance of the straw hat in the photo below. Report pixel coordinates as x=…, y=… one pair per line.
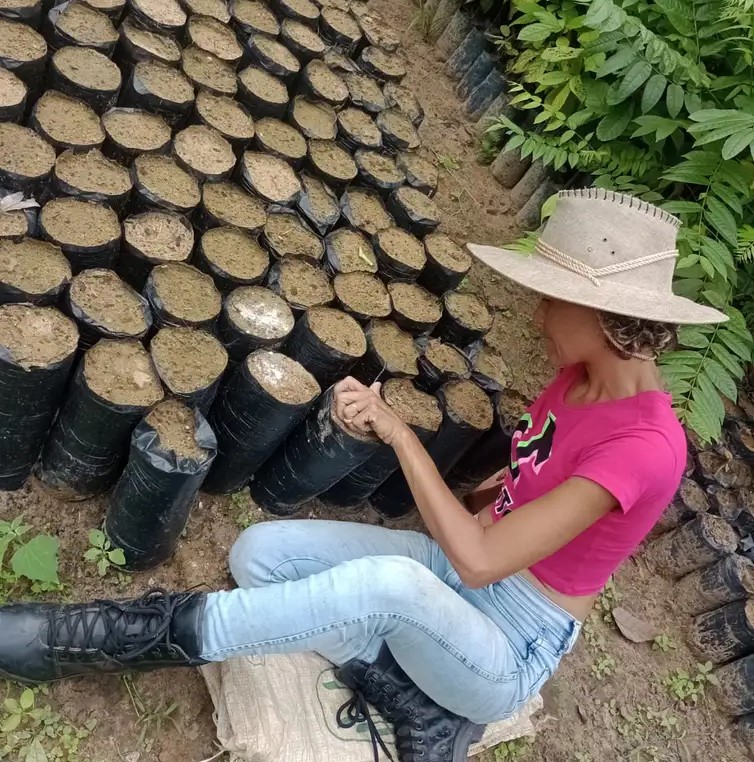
x=608, y=251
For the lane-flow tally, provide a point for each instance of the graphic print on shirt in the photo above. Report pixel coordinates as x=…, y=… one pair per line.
x=527, y=449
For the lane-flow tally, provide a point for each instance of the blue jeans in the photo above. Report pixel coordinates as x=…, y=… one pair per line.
x=344, y=589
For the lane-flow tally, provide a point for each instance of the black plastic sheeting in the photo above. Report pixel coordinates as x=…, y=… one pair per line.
x=88, y=444
x=446, y=448
x=315, y=456
x=325, y=363
x=151, y=502
x=29, y=399
x=250, y=424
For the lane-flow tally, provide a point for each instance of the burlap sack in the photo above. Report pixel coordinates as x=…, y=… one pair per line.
x=282, y=709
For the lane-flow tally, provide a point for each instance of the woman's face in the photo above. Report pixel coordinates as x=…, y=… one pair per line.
x=572, y=332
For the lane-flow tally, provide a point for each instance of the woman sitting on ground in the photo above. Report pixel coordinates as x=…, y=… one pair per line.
x=447, y=632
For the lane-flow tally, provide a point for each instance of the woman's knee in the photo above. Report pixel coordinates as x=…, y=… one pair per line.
x=254, y=554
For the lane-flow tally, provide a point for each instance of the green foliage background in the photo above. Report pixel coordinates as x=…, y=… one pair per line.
x=654, y=99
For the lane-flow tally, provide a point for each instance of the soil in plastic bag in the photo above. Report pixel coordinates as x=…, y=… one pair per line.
x=85, y=74
x=415, y=309
x=113, y=387
x=465, y=319
x=467, y=414
x=37, y=350
x=231, y=119
x=91, y=177
x=159, y=89
x=422, y=414
x=104, y=307
x=130, y=132
x=300, y=283
x=447, y=264
x=136, y=45
x=87, y=232
x=269, y=177
x=172, y=450
x=160, y=183
x=391, y=353
x=413, y=211
x=362, y=209
x=381, y=64
x=318, y=204
x=190, y=364
x=317, y=454
x=232, y=257
x=66, y=122
x=262, y=93
x=365, y=92
x=320, y=83
x=265, y=398
x=327, y=342
x=204, y=152
x=379, y=171
x=26, y=160
x=439, y=363
x=490, y=371
x=315, y=120
x=362, y=295
x=13, y=98
x=182, y=295
x=253, y=318
x=32, y=272
x=348, y=251
x=273, y=57
x=224, y=203
x=286, y=235
x=400, y=255
x=421, y=173
x=280, y=139
x=331, y=163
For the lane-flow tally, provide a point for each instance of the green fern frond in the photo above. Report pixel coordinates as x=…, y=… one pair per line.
x=745, y=245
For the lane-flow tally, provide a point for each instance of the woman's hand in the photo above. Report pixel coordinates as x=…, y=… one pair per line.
x=363, y=410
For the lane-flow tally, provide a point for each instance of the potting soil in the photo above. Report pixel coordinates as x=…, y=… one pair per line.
x=270, y=177
x=204, y=151
x=492, y=367
x=163, y=48
x=87, y=26
x=421, y=173
x=398, y=130
x=12, y=90
x=445, y=357
x=235, y=252
x=233, y=206
x=381, y=63
x=92, y=173
x=87, y=68
x=255, y=15
x=468, y=403
x=378, y=34
x=260, y=313
x=332, y=160
x=70, y=222
x=469, y=310
x=381, y=167
x=175, y=425
x=21, y=43
x=400, y=97
x=136, y=130
x=415, y=303
x=395, y=347
x=446, y=252
x=68, y=121
x=167, y=13
x=187, y=360
x=32, y=268
x=281, y=139
x=217, y=9
x=288, y=236
x=365, y=211
x=14, y=224
x=206, y=70
x=24, y=153
x=401, y=247
x=185, y=293
x=276, y=52
x=225, y=115
x=300, y=283
x=214, y=37
x=362, y=293
x=357, y=123
x=318, y=203
x=349, y=251
x=414, y=408
x=282, y=378
x=365, y=92
x=160, y=236
x=35, y=337
x=165, y=180
x=347, y=30
x=122, y=373
x=316, y=120
x=100, y=297
x=303, y=36
x=164, y=82
x=304, y=9
x=264, y=85
x=325, y=83
x=338, y=330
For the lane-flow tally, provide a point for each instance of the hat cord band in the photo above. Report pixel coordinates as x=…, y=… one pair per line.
x=595, y=273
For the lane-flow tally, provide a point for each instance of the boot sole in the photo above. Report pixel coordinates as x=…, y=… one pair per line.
x=25, y=680
x=469, y=734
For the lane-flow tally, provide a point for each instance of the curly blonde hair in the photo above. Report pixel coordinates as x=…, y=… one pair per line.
x=634, y=337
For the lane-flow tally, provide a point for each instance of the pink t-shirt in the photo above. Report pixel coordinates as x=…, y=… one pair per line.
x=634, y=447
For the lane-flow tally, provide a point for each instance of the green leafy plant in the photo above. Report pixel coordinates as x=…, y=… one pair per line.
x=607, y=600
x=28, y=563
x=603, y=666
x=688, y=688
x=448, y=163
x=664, y=643
x=31, y=732
x=654, y=99
x=102, y=554
x=516, y=748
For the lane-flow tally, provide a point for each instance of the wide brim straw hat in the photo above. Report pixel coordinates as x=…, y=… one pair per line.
x=605, y=250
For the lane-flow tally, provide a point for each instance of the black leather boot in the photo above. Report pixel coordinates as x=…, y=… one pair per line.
x=424, y=731
x=40, y=642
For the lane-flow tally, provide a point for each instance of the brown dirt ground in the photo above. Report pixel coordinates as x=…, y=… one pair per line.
x=573, y=723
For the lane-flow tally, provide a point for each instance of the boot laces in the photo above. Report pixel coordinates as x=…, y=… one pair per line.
x=77, y=624
x=355, y=711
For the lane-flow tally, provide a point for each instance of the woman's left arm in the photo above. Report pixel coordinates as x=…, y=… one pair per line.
x=482, y=555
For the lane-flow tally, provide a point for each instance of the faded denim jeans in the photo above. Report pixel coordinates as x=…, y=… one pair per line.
x=344, y=589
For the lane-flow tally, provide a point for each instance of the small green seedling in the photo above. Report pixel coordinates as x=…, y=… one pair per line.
x=515, y=749
x=688, y=688
x=603, y=667
x=102, y=554
x=151, y=718
x=448, y=163
x=608, y=599
x=664, y=643
x=27, y=564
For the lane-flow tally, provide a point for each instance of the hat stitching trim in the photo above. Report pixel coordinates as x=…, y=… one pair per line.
x=601, y=194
